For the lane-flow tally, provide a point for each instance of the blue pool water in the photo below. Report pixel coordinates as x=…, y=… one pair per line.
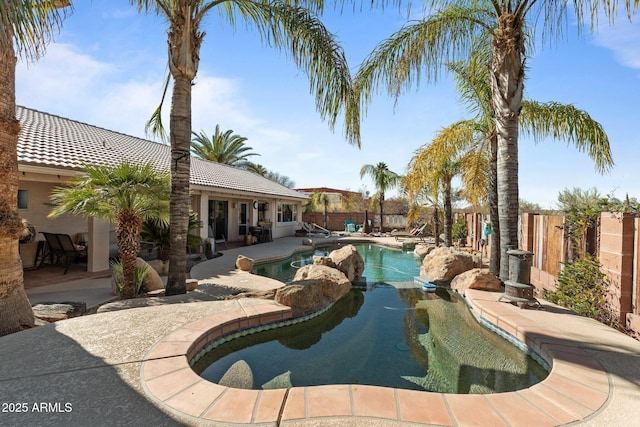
x=381, y=264
x=382, y=335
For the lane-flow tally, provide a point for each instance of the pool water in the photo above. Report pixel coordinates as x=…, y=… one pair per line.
x=381, y=264
x=382, y=335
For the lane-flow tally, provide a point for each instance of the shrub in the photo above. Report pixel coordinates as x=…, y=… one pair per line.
x=582, y=287
x=139, y=274
x=459, y=230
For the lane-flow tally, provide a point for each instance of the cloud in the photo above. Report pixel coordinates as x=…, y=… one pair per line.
x=622, y=39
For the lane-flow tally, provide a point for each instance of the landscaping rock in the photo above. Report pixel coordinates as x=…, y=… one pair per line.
x=423, y=250
x=245, y=264
x=239, y=375
x=476, y=278
x=348, y=260
x=191, y=284
x=152, y=281
x=53, y=312
x=443, y=264
x=302, y=296
x=161, y=267
x=333, y=281
x=324, y=260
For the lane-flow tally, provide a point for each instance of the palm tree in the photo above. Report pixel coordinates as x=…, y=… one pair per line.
x=427, y=45
x=283, y=24
x=317, y=199
x=127, y=195
x=426, y=168
x=26, y=27
x=226, y=148
x=383, y=179
x=283, y=180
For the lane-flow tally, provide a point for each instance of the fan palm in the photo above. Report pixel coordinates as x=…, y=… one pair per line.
x=424, y=47
x=226, y=148
x=127, y=195
x=25, y=27
x=283, y=24
x=383, y=179
x=319, y=199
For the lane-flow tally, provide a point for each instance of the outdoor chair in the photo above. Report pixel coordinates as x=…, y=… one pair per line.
x=61, y=250
x=349, y=226
x=416, y=233
x=314, y=229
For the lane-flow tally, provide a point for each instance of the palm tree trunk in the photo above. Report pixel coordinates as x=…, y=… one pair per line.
x=494, y=260
x=448, y=212
x=326, y=214
x=15, y=309
x=436, y=224
x=507, y=84
x=180, y=125
x=381, y=210
x=128, y=239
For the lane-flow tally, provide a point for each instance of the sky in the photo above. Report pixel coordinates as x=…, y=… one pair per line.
x=108, y=64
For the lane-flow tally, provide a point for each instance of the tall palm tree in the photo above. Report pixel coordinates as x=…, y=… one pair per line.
x=284, y=24
x=26, y=27
x=383, y=179
x=226, y=148
x=425, y=46
x=127, y=195
x=426, y=168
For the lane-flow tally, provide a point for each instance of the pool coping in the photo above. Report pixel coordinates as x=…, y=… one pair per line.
x=576, y=388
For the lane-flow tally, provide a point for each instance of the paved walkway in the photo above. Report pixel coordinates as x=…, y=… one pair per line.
x=91, y=370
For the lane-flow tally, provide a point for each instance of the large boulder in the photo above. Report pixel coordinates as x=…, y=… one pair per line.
x=333, y=281
x=151, y=282
x=443, y=264
x=422, y=250
x=349, y=261
x=476, y=278
x=160, y=266
x=303, y=296
x=245, y=264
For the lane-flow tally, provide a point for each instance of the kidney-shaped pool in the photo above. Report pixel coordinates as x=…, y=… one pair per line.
x=395, y=336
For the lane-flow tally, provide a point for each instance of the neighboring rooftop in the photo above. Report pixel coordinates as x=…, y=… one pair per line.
x=52, y=141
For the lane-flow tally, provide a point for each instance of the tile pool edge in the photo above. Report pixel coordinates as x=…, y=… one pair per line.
x=575, y=388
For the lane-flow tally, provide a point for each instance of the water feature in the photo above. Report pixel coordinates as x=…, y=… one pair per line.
x=395, y=336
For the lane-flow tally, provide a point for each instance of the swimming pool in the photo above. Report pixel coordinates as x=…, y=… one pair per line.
x=393, y=336
x=382, y=265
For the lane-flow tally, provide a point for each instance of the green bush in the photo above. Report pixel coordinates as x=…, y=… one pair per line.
x=139, y=274
x=459, y=230
x=582, y=287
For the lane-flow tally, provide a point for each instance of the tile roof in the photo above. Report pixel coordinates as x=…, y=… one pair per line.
x=52, y=141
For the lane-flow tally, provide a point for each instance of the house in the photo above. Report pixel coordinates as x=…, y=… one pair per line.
x=228, y=200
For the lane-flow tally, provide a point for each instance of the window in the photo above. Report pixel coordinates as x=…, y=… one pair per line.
x=23, y=199
x=287, y=212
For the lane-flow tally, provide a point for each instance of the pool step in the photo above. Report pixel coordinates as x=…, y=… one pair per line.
x=424, y=283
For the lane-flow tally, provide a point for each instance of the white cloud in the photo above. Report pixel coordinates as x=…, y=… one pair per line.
x=622, y=39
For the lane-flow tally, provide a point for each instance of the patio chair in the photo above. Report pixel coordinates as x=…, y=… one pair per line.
x=315, y=229
x=349, y=226
x=416, y=233
x=61, y=250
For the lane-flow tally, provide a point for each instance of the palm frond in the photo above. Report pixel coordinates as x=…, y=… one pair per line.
x=566, y=122
x=31, y=25
x=154, y=125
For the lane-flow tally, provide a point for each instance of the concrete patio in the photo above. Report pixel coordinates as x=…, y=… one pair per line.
x=119, y=367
